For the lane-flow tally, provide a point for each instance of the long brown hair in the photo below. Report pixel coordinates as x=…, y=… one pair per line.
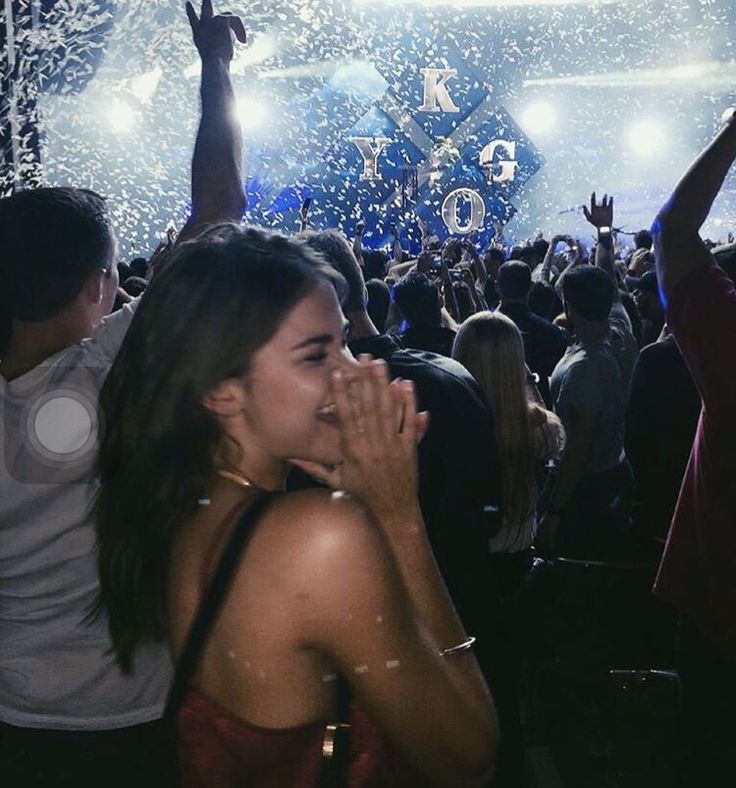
x=489, y=346
x=219, y=300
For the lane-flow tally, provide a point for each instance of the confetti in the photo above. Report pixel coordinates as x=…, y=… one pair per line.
x=118, y=101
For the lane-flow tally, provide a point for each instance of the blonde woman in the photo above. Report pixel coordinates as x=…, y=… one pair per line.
x=489, y=345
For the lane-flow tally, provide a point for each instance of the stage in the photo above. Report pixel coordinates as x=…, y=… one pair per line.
x=612, y=97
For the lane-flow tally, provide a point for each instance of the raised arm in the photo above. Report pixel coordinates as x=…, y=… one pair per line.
x=498, y=242
x=358, y=243
x=398, y=256
x=217, y=163
x=304, y=214
x=601, y=217
x=679, y=248
x=579, y=260
x=547, y=262
x=423, y=231
x=481, y=275
x=449, y=292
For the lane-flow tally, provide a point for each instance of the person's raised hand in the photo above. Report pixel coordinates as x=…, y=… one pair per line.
x=600, y=215
x=469, y=246
x=557, y=239
x=423, y=231
x=213, y=35
x=449, y=248
x=447, y=252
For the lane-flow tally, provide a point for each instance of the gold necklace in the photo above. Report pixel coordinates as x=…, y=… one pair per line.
x=232, y=476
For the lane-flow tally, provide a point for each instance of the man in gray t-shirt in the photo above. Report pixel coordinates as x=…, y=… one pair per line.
x=594, y=374
x=68, y=716
x=588, y=502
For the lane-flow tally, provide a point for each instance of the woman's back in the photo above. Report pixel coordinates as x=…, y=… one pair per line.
x=251, y=664
x=257, y=708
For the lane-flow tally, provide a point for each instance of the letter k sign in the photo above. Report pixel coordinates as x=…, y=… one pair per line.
x=436, y=97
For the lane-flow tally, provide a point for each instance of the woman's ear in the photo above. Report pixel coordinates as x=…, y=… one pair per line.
x=226, y=399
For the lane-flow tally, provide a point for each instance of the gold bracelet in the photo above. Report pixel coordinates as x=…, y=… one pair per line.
x=464, y=646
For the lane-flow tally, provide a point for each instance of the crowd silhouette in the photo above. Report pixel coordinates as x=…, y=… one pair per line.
x=346, y=517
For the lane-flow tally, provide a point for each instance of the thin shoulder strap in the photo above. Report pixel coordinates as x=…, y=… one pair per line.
x=212, y=602
x=344, y=696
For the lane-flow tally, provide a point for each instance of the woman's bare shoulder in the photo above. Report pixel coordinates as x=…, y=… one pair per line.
x=318, y=521
x=320, y=504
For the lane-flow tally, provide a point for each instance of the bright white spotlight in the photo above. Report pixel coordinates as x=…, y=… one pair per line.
x=358, y=76
x=121, y=116
x=646, y=138
x=539, y=118
x=144, y=86
x=251, y=113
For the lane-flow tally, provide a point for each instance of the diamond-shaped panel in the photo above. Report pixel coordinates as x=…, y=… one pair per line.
x=446, y=150
x=422, y=85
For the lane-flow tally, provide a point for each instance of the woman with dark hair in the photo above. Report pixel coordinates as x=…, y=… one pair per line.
x=234, y=368
x=379, y=302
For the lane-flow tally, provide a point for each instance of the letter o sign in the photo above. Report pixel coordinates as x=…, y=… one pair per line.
x=450, y=213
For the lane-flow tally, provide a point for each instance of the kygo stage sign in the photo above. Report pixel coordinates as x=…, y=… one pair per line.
x=436, y=144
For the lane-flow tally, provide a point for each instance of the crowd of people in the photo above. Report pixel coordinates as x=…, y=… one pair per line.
x=294, y=546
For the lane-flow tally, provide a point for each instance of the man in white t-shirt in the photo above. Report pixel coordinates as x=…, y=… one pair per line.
x=68, y=716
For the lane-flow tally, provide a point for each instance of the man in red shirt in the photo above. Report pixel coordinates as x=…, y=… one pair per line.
x=698, y=571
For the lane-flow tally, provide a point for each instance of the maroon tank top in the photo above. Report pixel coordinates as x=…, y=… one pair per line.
x=219, y=750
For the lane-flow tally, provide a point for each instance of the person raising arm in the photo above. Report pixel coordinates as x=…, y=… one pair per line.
x=698, y=565
x=304, y=214
x=358, y=242
x=679, y=249
x=589, y=496
x=217, y=163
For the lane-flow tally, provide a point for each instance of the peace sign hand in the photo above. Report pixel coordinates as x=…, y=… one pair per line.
x=213, y=34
